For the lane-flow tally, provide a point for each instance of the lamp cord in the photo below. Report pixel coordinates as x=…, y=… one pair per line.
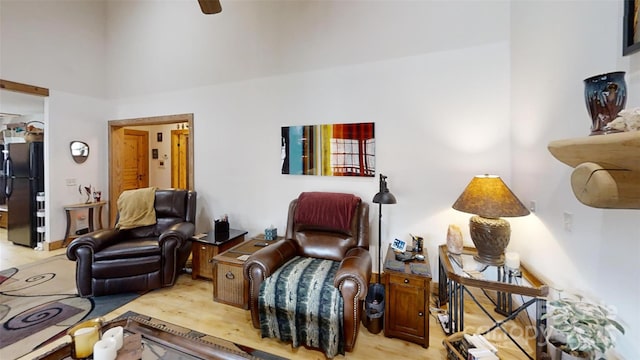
x=379, y=239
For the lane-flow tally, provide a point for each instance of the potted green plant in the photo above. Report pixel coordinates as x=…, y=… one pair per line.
x=580, y=328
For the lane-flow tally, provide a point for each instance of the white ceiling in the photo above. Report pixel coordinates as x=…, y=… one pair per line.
x=13, y=103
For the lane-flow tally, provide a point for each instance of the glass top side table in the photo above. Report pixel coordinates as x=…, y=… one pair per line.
x=458, y=273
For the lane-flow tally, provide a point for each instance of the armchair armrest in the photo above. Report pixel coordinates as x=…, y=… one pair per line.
x=181, y=232
x=82, y=250
x=356, y=266
x=95, y=241
x=352, y=278
x=269, y=258
x=261, y=265
x=171, y=241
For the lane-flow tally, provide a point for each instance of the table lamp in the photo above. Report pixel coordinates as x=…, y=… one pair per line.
x=489, y=198
x=382, y=197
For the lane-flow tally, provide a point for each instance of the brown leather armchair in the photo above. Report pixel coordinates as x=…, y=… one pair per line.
x=325, y=241
x=112, y=261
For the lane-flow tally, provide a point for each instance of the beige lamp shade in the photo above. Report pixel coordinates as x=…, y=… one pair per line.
x=489, y=198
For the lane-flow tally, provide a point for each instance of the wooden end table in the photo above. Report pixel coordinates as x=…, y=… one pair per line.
x=406, y=313
x=230, y=286
x=90, y=209
x=206, y=248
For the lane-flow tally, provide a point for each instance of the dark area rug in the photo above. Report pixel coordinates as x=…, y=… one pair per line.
x=39, y=302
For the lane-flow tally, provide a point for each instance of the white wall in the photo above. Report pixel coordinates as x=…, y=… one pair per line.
x=54, y=44
x=551, y=54
x=60, y=45
x=159, y=46
x=237, y=147
x=439, y=100
x=73, y=117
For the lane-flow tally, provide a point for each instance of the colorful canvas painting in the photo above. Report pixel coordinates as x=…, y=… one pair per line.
x=329, y=150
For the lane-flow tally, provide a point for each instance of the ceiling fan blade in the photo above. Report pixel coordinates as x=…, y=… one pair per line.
x=210, y=6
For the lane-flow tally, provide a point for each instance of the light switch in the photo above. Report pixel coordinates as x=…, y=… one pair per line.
x=568, y=221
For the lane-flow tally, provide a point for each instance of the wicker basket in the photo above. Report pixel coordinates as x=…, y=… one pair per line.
x=34, y=133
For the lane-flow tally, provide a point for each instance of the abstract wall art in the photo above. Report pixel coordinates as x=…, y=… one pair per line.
x=328, y=150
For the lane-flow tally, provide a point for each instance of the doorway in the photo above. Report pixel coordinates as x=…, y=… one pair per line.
x=121, y=144
x=179, y=158
x=22, y=105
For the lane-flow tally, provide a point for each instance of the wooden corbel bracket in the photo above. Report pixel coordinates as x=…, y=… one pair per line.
x=607, y=168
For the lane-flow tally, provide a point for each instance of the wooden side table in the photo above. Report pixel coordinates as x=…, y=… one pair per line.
x=206, y=248
x=406, y=313
x=229, y=286
x=90, y=207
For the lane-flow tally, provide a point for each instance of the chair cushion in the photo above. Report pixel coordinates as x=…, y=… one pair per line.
x=124, y=268
x=131, y=248
x=300, y=304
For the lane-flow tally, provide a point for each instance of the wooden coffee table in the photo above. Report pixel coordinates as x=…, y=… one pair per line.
x=229, y=285
x=160, y=341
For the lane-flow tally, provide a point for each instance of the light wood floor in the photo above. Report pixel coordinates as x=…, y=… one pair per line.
x=190, y=304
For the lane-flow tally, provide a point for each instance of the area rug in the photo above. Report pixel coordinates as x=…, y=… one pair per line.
x=233, y=348
x=39, y=302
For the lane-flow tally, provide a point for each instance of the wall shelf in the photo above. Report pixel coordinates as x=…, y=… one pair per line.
x=607, y=168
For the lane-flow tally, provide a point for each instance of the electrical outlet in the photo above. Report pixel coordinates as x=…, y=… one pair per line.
x=532, y=206
x=70, y=182
x=568, y=221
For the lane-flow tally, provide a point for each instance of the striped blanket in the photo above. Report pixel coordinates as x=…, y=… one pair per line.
x=298, y=303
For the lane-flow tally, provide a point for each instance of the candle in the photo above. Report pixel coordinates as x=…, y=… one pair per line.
x=83, y=341
x=115, y=333
x=512, y=260
x=105, y=349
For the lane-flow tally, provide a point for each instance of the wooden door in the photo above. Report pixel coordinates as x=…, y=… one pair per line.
x=129, y=164
x=180, y=159
x=135, y=160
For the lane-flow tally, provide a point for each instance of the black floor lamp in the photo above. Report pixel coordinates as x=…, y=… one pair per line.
x=382, y=197
x=374, y=303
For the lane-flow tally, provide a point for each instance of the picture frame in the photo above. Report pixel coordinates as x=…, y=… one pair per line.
x=631, y=27
x=345, y=149
x=159, y=137
x=399, y=245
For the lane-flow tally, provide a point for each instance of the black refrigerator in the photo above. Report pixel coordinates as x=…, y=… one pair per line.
x=23, y=179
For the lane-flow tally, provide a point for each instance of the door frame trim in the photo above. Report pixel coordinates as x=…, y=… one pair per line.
x=153, y=120
x=23, y=88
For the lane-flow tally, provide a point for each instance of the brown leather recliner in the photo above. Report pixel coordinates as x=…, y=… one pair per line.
x=112, y=261
x=350, y=247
